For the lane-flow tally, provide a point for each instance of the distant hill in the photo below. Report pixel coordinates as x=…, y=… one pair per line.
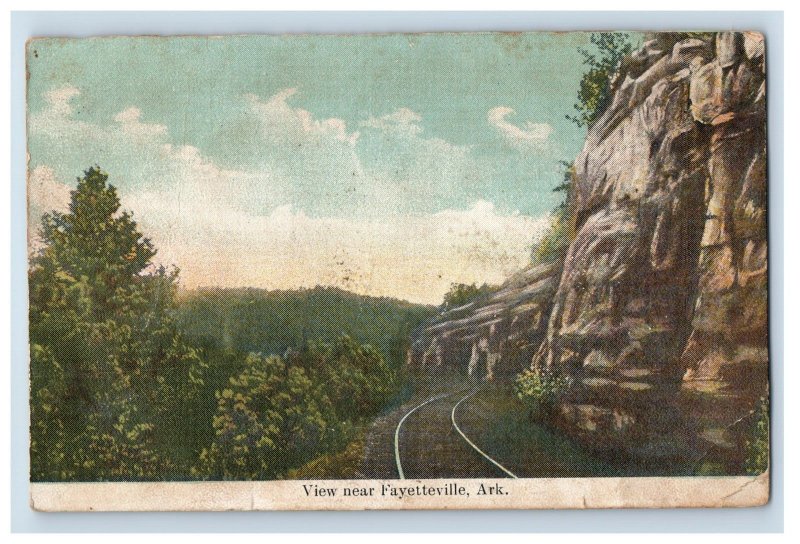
x=270, y=322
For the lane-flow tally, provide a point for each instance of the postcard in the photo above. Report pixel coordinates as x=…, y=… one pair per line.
x=402, y=271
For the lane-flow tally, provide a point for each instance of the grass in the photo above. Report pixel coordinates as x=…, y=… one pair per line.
x=342, y=465
x=501, y=426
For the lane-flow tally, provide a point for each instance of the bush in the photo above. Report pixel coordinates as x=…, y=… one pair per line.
x=757, y=445
x=270, y=418
x=462, y=293
x=280, y=413
x=540, y=391
x=555, y=242
x=356, y=377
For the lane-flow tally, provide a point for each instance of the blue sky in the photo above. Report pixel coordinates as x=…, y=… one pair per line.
x=388, y=165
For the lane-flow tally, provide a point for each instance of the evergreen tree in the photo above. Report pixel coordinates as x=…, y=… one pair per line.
x=109, y=371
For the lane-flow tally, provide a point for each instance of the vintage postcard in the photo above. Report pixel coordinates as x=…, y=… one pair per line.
x=409, y=271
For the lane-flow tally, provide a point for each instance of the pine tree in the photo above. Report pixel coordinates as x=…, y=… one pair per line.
x=109, y=371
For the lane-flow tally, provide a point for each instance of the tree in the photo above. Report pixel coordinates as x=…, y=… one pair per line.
x=594, y=94
x=107, y=361
x=462, y=293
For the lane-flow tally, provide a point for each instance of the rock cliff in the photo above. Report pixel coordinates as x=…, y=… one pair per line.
x=658, y=309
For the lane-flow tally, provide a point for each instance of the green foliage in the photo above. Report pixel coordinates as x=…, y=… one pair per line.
x=107, y=362
x=540, y=451
x=757, y=444
x=227, y=324
x=356, y=377
x=555, y=242
x=127, y=383
x=594, y=94
x=565, y=186
x=268, y=419
x=282, y=412
x=255, y=320
x=710, y=467
x=461, y=294
x=539, y=390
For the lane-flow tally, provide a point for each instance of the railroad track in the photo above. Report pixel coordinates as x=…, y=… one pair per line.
x=471, y=443
x=397, y=432
x=445, y=434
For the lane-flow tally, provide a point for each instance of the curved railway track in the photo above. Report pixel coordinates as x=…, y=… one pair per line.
x=440, y=441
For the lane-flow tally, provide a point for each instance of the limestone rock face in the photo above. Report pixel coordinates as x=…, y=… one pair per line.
x=491, y=337
x=658, y=310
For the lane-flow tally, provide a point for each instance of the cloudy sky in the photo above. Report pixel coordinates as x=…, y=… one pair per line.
x=389, y=165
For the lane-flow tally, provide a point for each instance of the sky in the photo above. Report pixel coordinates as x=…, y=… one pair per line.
x=386, y=165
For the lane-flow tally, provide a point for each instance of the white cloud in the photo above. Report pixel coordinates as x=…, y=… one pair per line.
x=272, y=154
x=136, y=153
x=45, y=191
x=45, y=194
x=414, y=257
x=411, y=169
x=126, y=137
x=403, y=120
x=281, y=120
x=52, y=118
x=59, y=99
x=129, y=121
x=530, y=135
x=404, y=115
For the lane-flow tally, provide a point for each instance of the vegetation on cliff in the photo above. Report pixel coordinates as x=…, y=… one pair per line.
x=462, y=293
x=553, y=245
x=601, y=61
x=757, y=444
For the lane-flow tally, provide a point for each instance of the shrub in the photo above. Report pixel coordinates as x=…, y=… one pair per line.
x=281, y=412
x=270, y=418
x=541, y=390
x=555, y=242
x=462, y=293
x=757, y=445
x=356, y=377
